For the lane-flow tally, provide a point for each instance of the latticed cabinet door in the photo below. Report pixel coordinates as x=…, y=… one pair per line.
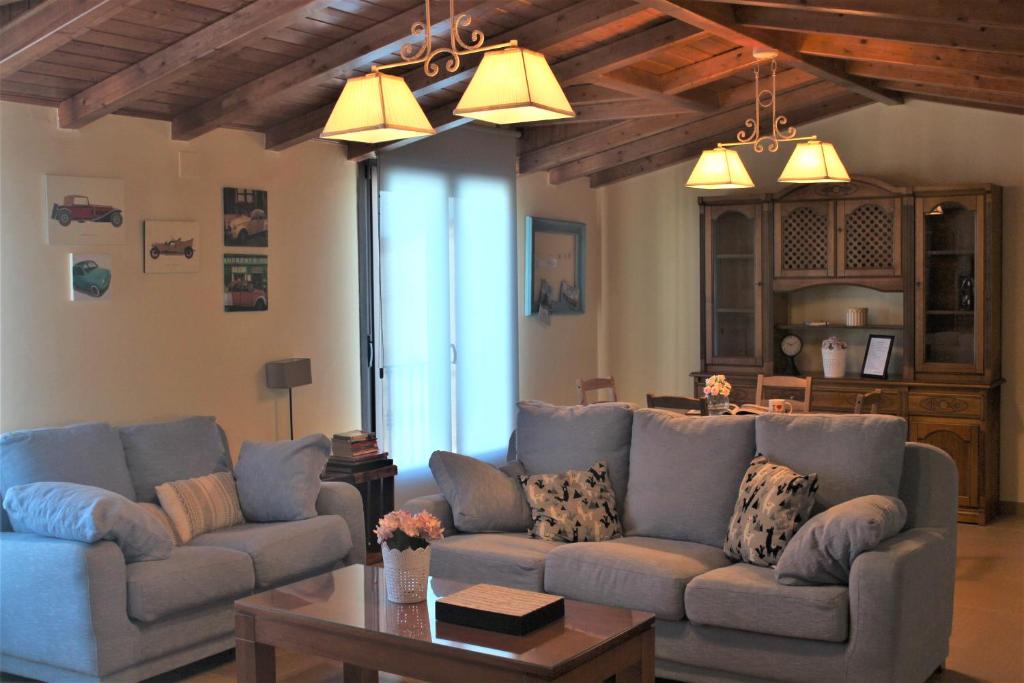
x=869, y=238
x=804, y=240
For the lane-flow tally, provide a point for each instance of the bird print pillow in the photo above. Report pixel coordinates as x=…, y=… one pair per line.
x=773, y=502
x=578, y=505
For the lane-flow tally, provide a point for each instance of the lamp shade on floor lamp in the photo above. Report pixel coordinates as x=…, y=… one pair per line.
x=288, y=374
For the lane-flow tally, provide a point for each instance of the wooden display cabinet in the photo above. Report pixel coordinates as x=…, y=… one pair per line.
x=937, y=249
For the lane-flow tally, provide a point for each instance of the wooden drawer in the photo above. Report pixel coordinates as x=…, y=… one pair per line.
x=842, y=401
x=947, y=405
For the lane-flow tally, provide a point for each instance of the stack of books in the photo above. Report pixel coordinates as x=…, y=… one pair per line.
x=355, y=451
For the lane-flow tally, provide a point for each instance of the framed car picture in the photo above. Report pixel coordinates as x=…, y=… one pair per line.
x=245, y=282
x=170, y=247
x=876, y=356
x=85, y=211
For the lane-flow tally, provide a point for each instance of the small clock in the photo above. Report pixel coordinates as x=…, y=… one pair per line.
x=790, y=347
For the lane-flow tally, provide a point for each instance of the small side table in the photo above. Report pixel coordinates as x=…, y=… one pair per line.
x=377, y=486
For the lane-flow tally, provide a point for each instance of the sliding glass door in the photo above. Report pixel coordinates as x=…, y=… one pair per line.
x=447, y=320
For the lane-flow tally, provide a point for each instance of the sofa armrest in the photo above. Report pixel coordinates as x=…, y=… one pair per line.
x=65, y=603
x=437, y=506
x=344, y=500
x=901, y=607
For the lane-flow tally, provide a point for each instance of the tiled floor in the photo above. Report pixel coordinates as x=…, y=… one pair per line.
x=988, y=625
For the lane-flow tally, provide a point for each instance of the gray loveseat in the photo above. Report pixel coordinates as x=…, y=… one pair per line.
x=73, y=611
x=717, y=620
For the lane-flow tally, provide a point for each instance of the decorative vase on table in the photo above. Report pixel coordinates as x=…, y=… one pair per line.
x=405, y=545
x=716, y=391
x=833, y=357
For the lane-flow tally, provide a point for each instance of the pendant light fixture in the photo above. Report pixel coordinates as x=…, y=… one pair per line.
x=511, y=85
x=812, y=161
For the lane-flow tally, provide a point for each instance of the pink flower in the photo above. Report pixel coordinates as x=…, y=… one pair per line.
x=386, y=527
x=430, y=525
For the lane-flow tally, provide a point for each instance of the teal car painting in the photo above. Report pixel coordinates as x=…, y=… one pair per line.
x=89, y=278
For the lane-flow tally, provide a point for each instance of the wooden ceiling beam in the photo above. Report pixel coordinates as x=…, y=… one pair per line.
x=623, y=52
x=548, y=156
x=720, y=20
x=589, y=93
x=616, y=111
x=842, y=102
x=247, y=25
x=338, y=60
x=707, y=71
x=632, y=83
x=974, y=37
x=48, y=26
x=731, y=121
x=909, y=54
x=955, y=12
x=944, y=77
x=961, y=94
x=540, y=34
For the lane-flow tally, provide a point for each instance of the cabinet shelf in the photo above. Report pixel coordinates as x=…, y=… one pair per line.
x=733, y=256
x=838, y=326
x=734, y=310
x=940, y=312
x=948, y=252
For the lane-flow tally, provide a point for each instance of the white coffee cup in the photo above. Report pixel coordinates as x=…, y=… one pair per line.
x=780, y=406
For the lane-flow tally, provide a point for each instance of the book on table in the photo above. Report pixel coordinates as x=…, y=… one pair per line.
x=497, y=608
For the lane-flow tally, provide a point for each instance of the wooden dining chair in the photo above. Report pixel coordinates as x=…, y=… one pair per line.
x=784, y=386
x=678, y=403
x=585, y=386
x=868, y=402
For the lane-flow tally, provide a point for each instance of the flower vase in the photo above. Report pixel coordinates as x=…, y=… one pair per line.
x=718, y=405
x=833, y=362
x=406, y=573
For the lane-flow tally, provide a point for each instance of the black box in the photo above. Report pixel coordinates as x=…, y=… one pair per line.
x=515, y=620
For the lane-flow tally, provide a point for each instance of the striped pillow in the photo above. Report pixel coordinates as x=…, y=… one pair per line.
x=203, y=504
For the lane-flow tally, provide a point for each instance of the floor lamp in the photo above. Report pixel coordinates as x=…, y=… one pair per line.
x=288, y=374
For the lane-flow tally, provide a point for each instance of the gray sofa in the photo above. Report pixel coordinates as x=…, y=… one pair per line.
x=73, y=611
x=724, y=621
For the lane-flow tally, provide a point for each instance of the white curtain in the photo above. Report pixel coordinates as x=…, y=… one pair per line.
x=447, y=284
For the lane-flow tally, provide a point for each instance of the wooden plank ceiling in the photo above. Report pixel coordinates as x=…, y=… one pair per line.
x=653, y=81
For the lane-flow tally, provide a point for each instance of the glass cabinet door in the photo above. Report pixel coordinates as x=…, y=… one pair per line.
x=733, y=274
x=950, y=284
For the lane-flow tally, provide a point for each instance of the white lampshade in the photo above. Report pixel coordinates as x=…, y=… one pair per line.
x=514, y=86
x=719, y=169
x=814, y=161
x=376, y=108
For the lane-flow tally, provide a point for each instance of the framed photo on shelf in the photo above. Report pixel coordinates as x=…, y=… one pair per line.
x=876, y=356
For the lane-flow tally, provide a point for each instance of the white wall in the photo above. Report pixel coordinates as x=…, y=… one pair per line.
x=163, y=345
x=652, y=277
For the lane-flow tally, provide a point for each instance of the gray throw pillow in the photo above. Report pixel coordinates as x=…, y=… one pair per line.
x=159, y=452
x=824, y=549
x=280, y=481
x=483, y=497
x=773, y=502
x=559, y=438
x=77, y=512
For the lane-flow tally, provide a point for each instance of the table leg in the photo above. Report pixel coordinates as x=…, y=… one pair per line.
x=254, y=662
x=642, y=671
x=357, y=674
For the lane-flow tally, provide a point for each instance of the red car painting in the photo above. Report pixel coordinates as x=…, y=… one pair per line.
x=243, y=295
x=77, y=207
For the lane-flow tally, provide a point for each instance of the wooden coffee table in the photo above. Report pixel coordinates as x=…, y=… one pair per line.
x=345, y=615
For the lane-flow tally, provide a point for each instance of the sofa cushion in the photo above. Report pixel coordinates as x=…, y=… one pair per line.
x=279, y=481
x=514, y=560
x=89, y=454
x=824, y=549
x=199, y=505
x=575, y=506
x=683, y=474
x=749, y=598
x=159, y=452
x=633, y=572
x=190, y=578
x=773, y=502
x=853, y=455
x=286, y=551
x=482, y=497
x=559, y=438
x=76, y=512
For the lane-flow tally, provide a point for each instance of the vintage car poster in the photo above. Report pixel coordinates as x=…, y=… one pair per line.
x=85, y=211
x=245, y=218
x=245, y=282
x=90, y=276
x=171, y=247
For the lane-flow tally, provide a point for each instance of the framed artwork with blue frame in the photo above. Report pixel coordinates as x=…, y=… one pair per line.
x=555, y=266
